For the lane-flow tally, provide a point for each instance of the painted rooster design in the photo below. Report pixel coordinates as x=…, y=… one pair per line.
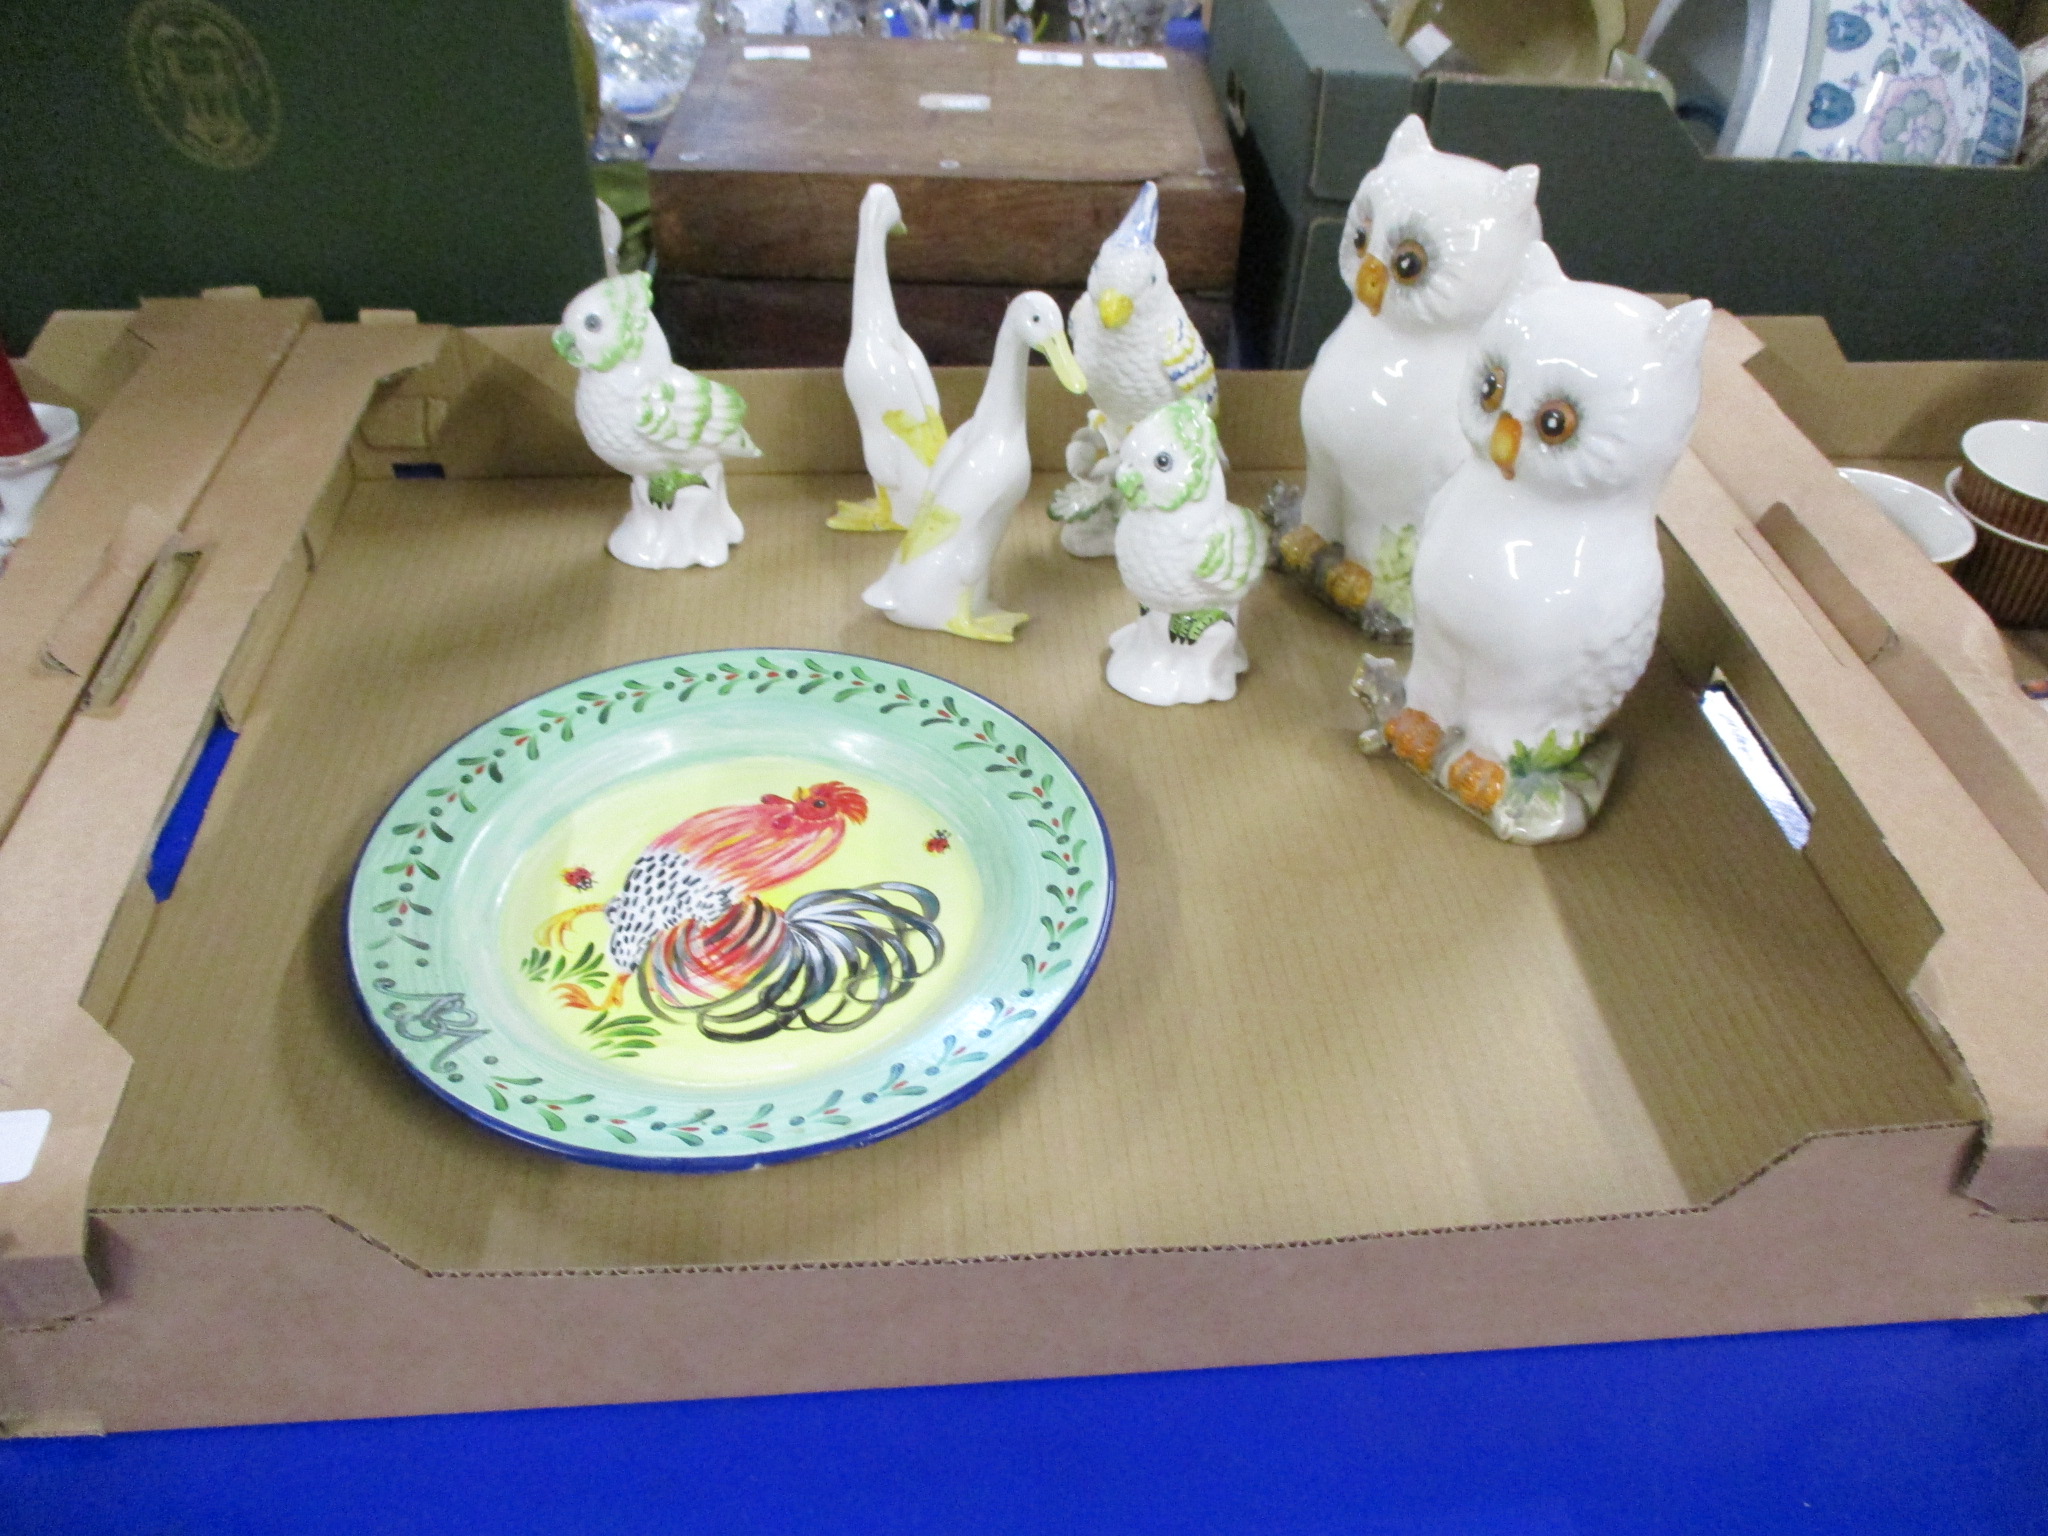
x=690, y=926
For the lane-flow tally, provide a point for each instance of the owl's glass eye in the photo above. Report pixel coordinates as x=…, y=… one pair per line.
x=1556, y=421
x=1361, y=237
x=1493, y=387
x=592, y=323
x=1163, y=460
x=1410, y=260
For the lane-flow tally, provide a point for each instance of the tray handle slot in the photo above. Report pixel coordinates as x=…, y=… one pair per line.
x=107, y=633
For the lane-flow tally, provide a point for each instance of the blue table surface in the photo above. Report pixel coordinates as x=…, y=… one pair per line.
x=1923, y=1428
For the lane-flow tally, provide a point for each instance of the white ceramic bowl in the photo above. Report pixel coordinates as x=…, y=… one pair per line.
x=1941, y=530
x=1915, y=82
x=2014, y=453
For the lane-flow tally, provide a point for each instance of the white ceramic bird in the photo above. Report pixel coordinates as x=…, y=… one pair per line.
x=1538, y=583
x=938, y=577
x=888, y=381
x=650, y=418
x=1432, y=246
x=1133, y=339
x=1187, y=555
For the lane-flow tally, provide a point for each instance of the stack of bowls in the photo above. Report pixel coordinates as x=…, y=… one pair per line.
x=2003, y=488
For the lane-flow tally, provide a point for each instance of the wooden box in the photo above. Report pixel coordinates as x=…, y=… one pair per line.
x=1010, y=173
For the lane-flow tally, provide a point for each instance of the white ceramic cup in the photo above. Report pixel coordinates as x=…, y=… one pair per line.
x=25, y=476
x=1943, y=533
x=2014, y=453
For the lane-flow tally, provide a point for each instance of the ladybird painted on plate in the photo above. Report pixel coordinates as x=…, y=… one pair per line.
x=939, y=841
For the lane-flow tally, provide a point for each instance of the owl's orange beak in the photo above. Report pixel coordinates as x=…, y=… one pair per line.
x=1506, y=445
x=1371, y=282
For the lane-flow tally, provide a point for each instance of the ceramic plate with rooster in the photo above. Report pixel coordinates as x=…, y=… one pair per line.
x=720, y=910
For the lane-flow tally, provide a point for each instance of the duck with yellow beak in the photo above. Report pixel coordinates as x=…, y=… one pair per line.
x=1133, y=339
x=939, y=575
x=1432, y=246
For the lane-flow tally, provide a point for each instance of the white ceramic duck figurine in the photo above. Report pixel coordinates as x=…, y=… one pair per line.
x=1187, y=555
x=656, y=421
x=938, y=577
x=888, y=381
x=1133, y=339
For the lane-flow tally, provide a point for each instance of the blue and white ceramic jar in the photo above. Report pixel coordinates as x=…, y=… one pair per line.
x=1903, y=82
x=1910, y=82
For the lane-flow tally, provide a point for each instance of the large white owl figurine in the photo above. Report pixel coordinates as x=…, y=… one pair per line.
x=1432, y=246
x=1187, y=555
x=1538, y=583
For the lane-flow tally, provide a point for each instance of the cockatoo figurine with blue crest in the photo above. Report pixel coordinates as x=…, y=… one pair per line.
x=939, y=575
x=1133, y=339
x=656, y=421
x=888, y=382
x=1187, y=555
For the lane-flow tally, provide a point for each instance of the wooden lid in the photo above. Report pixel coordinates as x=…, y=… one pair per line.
x=1007, y=171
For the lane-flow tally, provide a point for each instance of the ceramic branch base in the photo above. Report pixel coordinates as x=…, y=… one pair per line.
x=698, y=528
x=1147, y=664
x=1087, y=508
x=1540, y=805
x=1092, y=536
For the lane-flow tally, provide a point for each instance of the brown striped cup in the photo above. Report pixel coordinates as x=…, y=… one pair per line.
x=2003, y=487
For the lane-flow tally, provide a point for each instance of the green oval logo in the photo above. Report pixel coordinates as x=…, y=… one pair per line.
x=203, y=81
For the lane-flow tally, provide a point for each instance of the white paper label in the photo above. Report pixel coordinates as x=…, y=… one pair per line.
x=799, y=51
x=1130, y=60
x=21, y=1138
x=1053, y=56
x=1429, y=43
x=953, y=101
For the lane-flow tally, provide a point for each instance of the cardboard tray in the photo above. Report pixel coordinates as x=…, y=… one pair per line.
x=1353, y=1077
x=1922, y=636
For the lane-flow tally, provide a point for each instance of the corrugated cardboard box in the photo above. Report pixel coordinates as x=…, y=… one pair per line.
x=1353, y=1077
x=1922, y=636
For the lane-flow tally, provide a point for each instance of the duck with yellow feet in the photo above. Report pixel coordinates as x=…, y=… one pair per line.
x=939, y=576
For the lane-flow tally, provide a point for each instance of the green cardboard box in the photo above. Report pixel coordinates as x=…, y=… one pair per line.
x=1903, y=261
x=372, y=154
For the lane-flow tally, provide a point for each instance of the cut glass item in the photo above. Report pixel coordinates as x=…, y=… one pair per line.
x=712, y=911
x=646, y=53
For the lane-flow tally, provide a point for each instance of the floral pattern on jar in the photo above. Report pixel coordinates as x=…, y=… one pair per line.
x=1909, y=82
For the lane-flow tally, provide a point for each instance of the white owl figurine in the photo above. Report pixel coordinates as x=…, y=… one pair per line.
x=1134, y=341
x=1187, y=555
x=1538, y=584
x=1432, y=246
x=652, y=419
